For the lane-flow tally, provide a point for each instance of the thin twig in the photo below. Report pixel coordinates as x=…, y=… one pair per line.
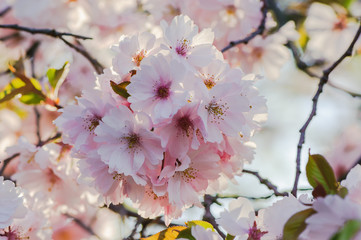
x=323, y=81
x=122, y=211
x=267, y=183
x=43, y=31
x=7, y=161
x=53, y=33
x=81, y=224
x=80, y=49
x=208, y=216
x=258, y=31
x=10, y=36
x=5, y=11
x=37, y=121
x=56, y=136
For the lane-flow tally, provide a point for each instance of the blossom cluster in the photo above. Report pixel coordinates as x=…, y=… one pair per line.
x=168, y=118
x=181, y=132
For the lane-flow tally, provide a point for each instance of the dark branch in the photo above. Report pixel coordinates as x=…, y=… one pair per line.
x=323, y=81
x=81, y=224
x=208, y=201
x=267, y=183
x=5, y=11
x=10, y=36
x=53, y=33
x=43, y=31
x=258, y=31
x=37, y=121
x=6, y=162
x=80, y=49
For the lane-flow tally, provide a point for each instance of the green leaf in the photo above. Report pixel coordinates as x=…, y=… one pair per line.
x=204, y=224
x=15, y=87
x=120, y=88
x=56, y=76
x=348, y=231
x=229, y=237
x=31, y=98
x=319, y=172
x=187, y=234
x=296, y=224
x=167, y=234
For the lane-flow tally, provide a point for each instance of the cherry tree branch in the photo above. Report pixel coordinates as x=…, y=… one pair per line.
x=208, y=216
x=5, y=11
x=304, y=67
x=145, y=222
x=323, y=80
x=81, y=224
x=55, y=34
x=43, y=31
x=6, y=162
x=258, y=31
x=80, y=49
x=37, y=121
x=266, y=182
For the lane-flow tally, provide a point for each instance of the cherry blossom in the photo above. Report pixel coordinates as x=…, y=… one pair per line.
x=11, y=204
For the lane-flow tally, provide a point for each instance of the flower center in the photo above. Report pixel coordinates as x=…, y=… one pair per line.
x=185, y=124
x=341, y=24
x=231, y=9
x=188, y=175
x=209, y=82
x=132, y=140
x=182, y=47
x=139, y=57
x=12, y=234
x=217, y=110
x=162, y=91
x=91, y=122
x=254, y=233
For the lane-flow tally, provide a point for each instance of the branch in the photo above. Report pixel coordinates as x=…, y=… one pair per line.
x=258, y=31
x=266, y=182
x=37, y=121
x=208, y=201
x=5, y=11
x=43, y=31
x=122, y=211
x=323, y=81
x=304, y=67
x=55, y=34
x=81, y=224
x=7, y=161
x=10, y=36
x=80, y=49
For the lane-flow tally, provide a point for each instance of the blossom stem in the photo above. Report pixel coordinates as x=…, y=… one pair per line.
x=323, y=80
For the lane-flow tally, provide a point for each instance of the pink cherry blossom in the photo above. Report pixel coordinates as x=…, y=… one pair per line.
x=331, y=214
x=185, y=185
x=185, y=43
x=78, y=122
x=11, y=203
x=126, y=142
x=131, y=51
x=240, y=220
x=182, y=133
x=158, y=88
